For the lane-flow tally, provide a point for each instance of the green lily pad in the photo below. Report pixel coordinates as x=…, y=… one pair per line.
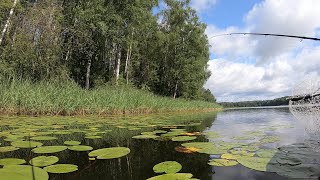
x=183, y=138
x=26, y=144
x=255, y=133
x=145, y=137
x=177, y=176
x=42, y=161
x=93, y=137
x=206, y=147
x=43, y=138
x=241, y=153
x=8, y=149
x=222, y=162
x=168, y=167
x=266, y=153
x=22, y=172
x=72, y=143
x=269, y=139
x=49, y=149
x=255, y=163
x=243, y=138
x=110, y=153
x=61, y=168
x=148, y=133
x=80, y=148
x=159, y=131
x=212, y=134
x=11, y=161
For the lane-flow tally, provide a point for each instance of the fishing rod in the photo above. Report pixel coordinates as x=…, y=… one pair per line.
x=268, y=34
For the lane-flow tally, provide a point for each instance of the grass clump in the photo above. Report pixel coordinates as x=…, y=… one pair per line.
x=54, y=98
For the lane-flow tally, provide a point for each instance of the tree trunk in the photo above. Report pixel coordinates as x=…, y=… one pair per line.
x=6, y=25
x=117, y=70
x=88, y=74
x=128, y=62
x=175, y=91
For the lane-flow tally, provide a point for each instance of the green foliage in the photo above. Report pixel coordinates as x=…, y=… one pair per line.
x=96, y=42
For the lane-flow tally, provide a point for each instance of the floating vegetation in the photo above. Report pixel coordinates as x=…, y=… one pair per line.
x=26, y=144
x=72, y=143
x=222, y=162
x=49, y=149
x=22, y=172
x=269, y=139
x=80, y=148
x=168, y=167
x=42, y=161
x=212, y=134
x=110, y=153
x=255, y=163
x=93, y=137
x=245, y=138
x=43, y=138
x=61, y=168
x=229, y=156
x=206, y=147
x=187, y=150
x=11, y=161
x=255, y=133
x=183, y=138
x=145, y=137
x=266, y=153
x=148, y=133
x=159, y=131
x=192, y=134
x=241, y=152
x=177, y=176
x=8, y=149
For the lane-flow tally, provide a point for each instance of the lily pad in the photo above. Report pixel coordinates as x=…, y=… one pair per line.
x=110, y=153
x=93, y=137
x=243, y=138
x=72, y=143
x=8, y=149
x=49, y=149
x=241, y=153
x=177, y=176
x=255, y=163
x=183, y=138
x=42, y=161
x=11, y=161
x=80, y=148
x=148, y=133
x=43, y=138
x=61, y=168
x=26, y=144
x=22, y=172
x=212, y=134
x=187, y=150
x=222, y=162
x=229, y=156
x=266, y=153
x=269, y=139
x=145, y=137
x=168, y=167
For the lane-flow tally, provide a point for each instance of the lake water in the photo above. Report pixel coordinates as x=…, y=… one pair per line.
x=229, y=126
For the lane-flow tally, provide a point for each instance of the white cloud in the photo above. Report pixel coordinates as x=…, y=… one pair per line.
x=258, y=67
x=202, y=5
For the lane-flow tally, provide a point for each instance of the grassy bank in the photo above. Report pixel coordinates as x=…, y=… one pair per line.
x=49, y=98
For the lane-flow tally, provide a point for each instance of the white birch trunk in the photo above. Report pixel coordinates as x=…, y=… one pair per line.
x=6, y=25
x=117, y=70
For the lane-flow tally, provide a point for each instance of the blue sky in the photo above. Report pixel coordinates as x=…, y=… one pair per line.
x=255, y=68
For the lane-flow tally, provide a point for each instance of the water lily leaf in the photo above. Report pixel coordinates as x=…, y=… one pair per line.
x=192, y=134
x=26, y=144
x=43, y=138
x=159, y=131
x=61, y=168
x=266, y=153
x=42, y=161
x=177, y=176
x=22, y=172
x=212, y=134
x=269, y=139
x=49, y=149
x=255, y=163
x=93, y=137
x=183, y=138
x=222, y=162
x=134, y=129
x=187, y=150
x=8, y=149
x=243, y=138
x=11, y=161
x=250, y=148
x=148, y=133
x=229, y=156
x=110, y=153
x=168, y=167
x=145, y=137
x=241, y=153
x=80, y=148
x=72, y=143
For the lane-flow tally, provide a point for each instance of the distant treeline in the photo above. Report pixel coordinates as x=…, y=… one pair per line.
x=275, y=102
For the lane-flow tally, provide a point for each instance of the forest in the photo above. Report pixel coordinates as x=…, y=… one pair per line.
x=274, y=102
x=162, y=49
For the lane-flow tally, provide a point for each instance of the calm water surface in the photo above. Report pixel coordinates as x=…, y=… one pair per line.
x=147, y=153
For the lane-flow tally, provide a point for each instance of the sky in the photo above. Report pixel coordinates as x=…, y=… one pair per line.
x=258, y=67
